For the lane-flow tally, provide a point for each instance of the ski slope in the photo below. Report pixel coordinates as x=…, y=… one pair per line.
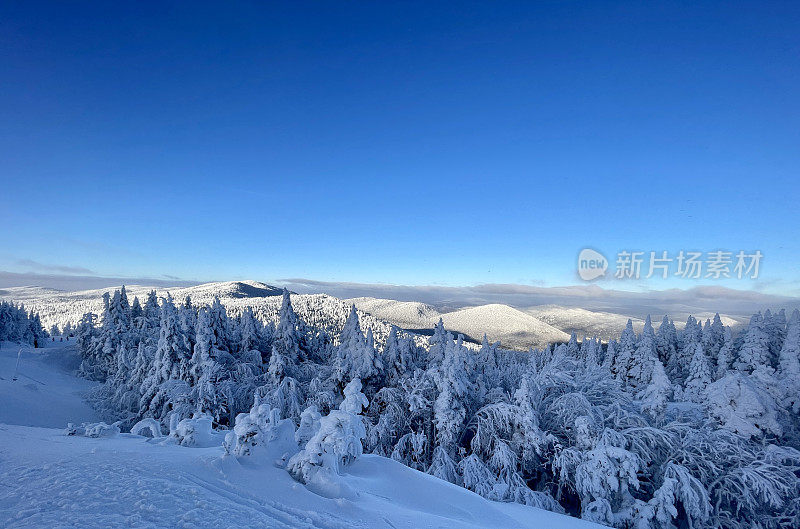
x=45, y=393
x=48, y=479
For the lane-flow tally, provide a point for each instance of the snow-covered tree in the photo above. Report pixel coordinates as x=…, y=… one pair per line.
x=396, y=358
x=606, y=478
x=356, y=356
x=699, y=376
x=437, y=343
x=590, y=351
x=655, y=394
x=666, y=340
x=210, y=369
x=253, y=429
x=679, y=488
x=789, y=361
x=170, y=363
x=336, y=443
x=286, y=341
x=724, y=355
x=624, y=350
x=754, y=351
x=740, y=405
x=641, y=363
x=309, y=425
x=249, y=331
x=450, y=407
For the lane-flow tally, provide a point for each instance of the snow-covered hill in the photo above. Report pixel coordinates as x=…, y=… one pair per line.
x=404, y=314
x=54, y=480
x=512, y=327
x=604, y=325
x=499, y=322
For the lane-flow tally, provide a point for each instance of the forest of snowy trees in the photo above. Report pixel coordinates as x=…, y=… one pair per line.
x=19, y=325
x=667, y=428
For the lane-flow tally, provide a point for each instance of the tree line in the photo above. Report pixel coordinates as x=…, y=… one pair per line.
x=19, y=325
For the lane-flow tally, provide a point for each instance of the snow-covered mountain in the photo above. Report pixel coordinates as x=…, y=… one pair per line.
x=327, y=312
x=59, y=307
x=534, y=326
x=607, y=325
x=404, y=314
x=126, y=480
x=604, y=325
x=513, y=328
x=499, y=322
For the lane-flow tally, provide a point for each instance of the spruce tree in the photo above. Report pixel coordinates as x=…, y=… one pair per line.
x=699, y=376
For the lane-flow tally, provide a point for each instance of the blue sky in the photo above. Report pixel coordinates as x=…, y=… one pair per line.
x=404, y=143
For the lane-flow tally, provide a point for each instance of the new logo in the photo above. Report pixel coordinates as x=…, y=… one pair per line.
x=591, y=264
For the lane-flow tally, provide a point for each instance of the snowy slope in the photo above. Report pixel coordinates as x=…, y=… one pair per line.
x=404, y=314
x=45, y=393
x=513, y=328
x=52, y=480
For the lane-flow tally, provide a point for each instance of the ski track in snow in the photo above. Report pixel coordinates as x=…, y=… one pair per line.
x=107, y=487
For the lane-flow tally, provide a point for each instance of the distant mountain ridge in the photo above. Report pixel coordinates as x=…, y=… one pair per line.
x=330, y=313
x=513, y=327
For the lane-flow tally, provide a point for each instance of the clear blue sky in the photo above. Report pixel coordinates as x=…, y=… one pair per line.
x=406, y=143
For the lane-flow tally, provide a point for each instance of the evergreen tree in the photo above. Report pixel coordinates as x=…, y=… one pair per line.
x=666, y=340
x=624, y=353
x=590, y=352
x=286, y=342
x=210, y=367
x=754, y=351
x=655, y=394
x=789, y=360
x=699, y=376
x=610, y=358
x=641, y=363
x=249, y=331
x=436, y=344
x=774, y=327
x=450, y=408
x=171, y=362
x=355, y=355
x=152, y=312
x=395, y=362
x=572, y=345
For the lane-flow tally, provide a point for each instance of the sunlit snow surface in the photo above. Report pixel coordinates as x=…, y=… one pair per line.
x=49, y=480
